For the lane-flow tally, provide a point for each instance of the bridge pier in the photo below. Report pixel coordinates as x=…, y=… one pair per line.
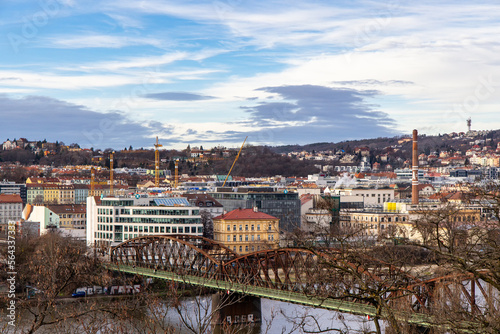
x=233, y=312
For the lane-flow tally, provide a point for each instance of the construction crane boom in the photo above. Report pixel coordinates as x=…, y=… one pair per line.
x=157, y=163
x=176, y=180
x=111, y=180
x=236, y=159
x=92, y=181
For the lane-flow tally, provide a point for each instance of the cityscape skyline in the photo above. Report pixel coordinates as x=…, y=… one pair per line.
x=114, y=74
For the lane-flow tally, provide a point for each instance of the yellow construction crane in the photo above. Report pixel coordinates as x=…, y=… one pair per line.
x=236, y=159
x=111, y=181
x=157, y=163
x=92, y=181
x=176, y=180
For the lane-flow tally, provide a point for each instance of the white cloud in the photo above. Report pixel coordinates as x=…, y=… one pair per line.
x=99, y=41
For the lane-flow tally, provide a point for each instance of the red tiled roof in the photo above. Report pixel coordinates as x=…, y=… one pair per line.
x=4, y=198
x=422, y=186
x=68, y=208
x=240, y=214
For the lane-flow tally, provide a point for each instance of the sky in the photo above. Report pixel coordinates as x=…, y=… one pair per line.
x=114, y=74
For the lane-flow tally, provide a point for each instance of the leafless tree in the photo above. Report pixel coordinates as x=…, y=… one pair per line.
x=464, y=240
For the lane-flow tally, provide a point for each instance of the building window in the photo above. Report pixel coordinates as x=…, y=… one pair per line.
x=234, y=238
x=228, y=238
x=252, y=227
x=234, y=227
x=241, y=227
x=258, y=227
x=241, y=237
x=246, y=227
x=228, y=228
x=246, y=237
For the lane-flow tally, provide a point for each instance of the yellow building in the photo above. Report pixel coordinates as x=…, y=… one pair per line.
x=70, y=216
x=247, y=230
x=51, y=193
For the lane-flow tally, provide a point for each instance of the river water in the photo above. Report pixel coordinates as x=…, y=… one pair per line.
x=277, y=317
x=281, y=317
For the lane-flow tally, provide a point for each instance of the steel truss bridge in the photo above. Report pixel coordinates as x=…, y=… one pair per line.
x=326, y=279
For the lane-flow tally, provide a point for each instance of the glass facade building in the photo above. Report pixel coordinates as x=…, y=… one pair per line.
x=113, y=220
x=283, y=205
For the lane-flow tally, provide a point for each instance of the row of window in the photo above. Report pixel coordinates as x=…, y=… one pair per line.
x=152, y=229
x=118, y=235
x=270, y=237
x=365, y=226
x=248, y=248
x=148, y=212
x=373, y=195
x=240, y=227
x=146, y=220
x=382, y=219
x=74, y=215
x=10, y=206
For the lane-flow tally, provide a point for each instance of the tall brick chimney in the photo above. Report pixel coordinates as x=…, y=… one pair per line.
x=414, y=171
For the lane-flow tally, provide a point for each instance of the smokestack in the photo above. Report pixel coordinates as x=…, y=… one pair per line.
x=414, y=179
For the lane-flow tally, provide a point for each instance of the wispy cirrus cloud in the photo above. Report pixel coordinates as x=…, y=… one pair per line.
x=99, y=41
x=178, y=96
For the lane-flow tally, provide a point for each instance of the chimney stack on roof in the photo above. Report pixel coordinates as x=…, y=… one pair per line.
x=414, y=178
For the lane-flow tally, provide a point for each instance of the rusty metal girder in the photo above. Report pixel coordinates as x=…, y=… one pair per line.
x=322, y=274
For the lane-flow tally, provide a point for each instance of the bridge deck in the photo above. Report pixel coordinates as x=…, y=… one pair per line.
x=281, y=295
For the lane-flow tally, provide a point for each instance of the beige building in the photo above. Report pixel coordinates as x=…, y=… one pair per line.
x=370, y=196
x=247, y=230
x=72, y=216
x=398, y=219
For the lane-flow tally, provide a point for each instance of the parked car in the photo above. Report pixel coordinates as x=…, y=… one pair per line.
x=78, y=294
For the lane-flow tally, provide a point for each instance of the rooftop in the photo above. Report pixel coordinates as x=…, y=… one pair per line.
x=239, y=214
x=4, y=198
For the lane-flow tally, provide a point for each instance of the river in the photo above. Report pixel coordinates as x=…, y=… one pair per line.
x=282, y=317
x=277, y=317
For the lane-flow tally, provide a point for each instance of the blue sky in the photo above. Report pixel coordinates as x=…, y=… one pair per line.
x=109, y=74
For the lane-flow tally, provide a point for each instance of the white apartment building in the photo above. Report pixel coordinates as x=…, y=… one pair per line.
x=11, y=209
x=112, y=220
x=370, y=196
x=41, y=215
